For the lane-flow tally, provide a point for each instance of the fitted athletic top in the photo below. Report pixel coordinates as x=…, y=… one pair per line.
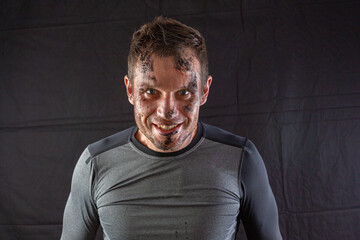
x=200, y=192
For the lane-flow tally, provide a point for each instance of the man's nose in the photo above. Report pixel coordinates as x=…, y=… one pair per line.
x=167, y=107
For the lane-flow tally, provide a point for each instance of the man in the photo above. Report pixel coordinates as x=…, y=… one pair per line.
x=170, y=176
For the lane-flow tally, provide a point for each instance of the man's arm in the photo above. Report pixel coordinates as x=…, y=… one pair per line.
x=258, y=211
x=80, y=216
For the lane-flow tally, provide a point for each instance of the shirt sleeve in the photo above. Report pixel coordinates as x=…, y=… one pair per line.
x=81, y=220
x=258, y=210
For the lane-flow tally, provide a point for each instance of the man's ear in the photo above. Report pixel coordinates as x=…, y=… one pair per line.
x=129, y=89
x=205, y=91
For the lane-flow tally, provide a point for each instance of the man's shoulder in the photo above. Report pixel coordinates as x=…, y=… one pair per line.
x=110, y=142
x=222, y=136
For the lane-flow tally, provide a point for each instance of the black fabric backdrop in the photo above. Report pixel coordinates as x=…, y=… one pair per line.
x=286, y=74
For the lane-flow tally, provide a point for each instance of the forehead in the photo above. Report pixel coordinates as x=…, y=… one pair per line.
x=157, y=70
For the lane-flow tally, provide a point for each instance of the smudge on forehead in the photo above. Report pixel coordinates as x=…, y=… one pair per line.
x=184, y=63
x=147, y=64
x=184, y=59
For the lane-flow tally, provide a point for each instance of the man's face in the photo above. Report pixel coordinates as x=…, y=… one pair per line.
x=167, y=94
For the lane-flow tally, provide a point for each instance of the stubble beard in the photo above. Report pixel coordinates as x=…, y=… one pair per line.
x=168, y=144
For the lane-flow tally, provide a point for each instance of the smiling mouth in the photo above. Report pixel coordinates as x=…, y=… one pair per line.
x=167, y=129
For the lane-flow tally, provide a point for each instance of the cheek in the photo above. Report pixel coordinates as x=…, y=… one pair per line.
x=190, y=104
x=144, y=107
x=188, y=108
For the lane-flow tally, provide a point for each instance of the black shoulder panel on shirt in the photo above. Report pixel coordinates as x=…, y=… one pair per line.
x=219, y=135
x=110, y=142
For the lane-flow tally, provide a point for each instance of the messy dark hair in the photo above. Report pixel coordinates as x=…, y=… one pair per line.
x=166, y=37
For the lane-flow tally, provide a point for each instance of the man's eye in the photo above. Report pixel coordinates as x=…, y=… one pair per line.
x=151, y=91
x=184, y=92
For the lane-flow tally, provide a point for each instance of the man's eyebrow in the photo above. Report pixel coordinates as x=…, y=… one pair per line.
x=152, y=78
x=148, y=81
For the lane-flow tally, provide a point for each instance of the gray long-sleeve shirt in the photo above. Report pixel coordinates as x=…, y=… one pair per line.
x=200, y=192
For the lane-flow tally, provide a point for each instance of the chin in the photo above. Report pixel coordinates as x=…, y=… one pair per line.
x=168, y=144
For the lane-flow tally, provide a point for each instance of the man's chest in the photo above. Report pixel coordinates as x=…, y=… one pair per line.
x=195, y=198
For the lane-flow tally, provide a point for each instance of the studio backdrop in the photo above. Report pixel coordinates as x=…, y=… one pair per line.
x=286, y=74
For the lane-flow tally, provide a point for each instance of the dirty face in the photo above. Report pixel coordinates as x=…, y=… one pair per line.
x=166, y=94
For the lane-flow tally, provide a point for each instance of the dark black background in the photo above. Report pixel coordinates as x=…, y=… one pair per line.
x=286, y=74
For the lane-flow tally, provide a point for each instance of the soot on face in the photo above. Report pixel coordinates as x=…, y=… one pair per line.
x=146, y=62
x=170, y=113
x=167, y=143
x=192, y=86
x=149, y=66
x=168, y=140
x=183, y=63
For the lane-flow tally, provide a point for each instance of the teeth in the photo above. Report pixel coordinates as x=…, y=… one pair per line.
x=166, y=127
